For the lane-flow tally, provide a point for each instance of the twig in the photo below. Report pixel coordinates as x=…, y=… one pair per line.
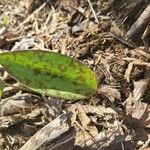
x=20, y=37
x=48, y=133
x=32, y=15
x=8, y=121
x=122, y=145
x=140, y=23
x=122, y=40
x=95, y=16
x=48, y=19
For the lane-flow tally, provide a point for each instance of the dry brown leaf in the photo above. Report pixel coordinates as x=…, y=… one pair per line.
x=111, y=92
x=87, y=133
x=139, y=111
x=142, y=112
x=115, y=29
x=6, y=38
x=105, y=67
x=139, y=90
x=85, y=130
x=146, y=145
x=15, y=106
x=2, y=142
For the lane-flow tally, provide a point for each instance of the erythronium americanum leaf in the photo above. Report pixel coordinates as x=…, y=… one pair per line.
x=2, y=86
x=50, y=73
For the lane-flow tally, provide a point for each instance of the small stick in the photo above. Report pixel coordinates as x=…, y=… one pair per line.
x=30, y=16
x=122, y=40
x=140, y=23
x=48, y=133
x=47, y=20
x=95, y=16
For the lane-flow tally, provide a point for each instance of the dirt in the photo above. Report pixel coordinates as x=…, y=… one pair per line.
x=118, y=115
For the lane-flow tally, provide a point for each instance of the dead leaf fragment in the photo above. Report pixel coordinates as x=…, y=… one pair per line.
x=85, y=130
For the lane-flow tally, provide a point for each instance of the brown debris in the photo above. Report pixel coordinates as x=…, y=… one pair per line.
x=109, y=37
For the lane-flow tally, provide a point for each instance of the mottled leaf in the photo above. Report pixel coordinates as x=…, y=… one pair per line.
x=50, y=73
x=2, y=86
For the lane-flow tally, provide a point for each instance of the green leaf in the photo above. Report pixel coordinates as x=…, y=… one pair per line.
x=2, y=86
x=5, y=20
x=50, y=73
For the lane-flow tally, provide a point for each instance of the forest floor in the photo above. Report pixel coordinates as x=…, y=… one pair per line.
x=105, y=35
